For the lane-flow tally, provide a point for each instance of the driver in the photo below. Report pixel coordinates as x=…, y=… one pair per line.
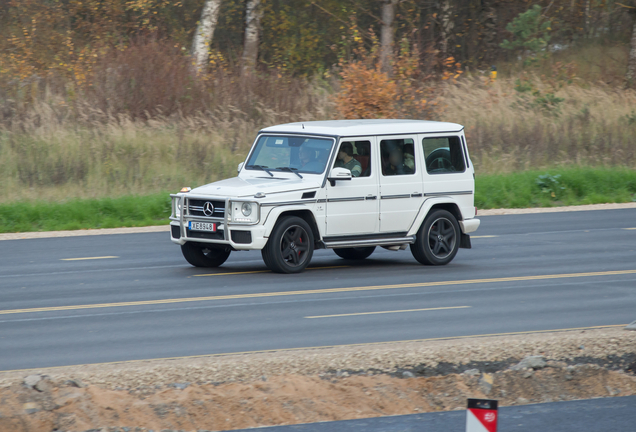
x=396, y=164
x=306, y=155
x=346, y=160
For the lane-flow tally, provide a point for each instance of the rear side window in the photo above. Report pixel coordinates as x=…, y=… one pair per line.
x=398, y=157
x=443, y=155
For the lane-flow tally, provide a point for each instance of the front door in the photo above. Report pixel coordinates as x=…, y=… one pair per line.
x=400, y=183
x=353, y=205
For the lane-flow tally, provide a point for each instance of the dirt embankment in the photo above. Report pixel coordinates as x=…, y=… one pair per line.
x=232, y=392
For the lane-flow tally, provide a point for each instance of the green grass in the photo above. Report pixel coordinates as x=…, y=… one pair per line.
x=515, y=190
x=127, y=211
x=575, y=186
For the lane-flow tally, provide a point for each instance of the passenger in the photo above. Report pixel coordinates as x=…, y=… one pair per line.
x=346, y=160
x=396, y=164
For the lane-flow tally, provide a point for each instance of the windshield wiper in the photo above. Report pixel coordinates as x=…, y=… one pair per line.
x=261, y=167
x=288, y=169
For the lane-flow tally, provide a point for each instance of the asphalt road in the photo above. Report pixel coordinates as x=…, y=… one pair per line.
x=524, y=273
x=607, y=415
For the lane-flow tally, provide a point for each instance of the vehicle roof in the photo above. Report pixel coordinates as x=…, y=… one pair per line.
x=365, y=127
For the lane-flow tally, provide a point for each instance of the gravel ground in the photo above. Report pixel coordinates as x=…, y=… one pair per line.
x=437, y=357
x=301, y=386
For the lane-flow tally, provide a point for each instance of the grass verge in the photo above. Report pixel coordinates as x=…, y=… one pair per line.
x=548, y=188
x=556, y=187
x=127, y=211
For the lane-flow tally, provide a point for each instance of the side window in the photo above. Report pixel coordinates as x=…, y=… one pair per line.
x=398, y=157
x=356, y=157
x=443, y=155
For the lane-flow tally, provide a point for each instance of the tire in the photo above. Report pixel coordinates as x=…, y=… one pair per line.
x=290, y=246
x=200, y=255
x=355, y=253
x=437, y=240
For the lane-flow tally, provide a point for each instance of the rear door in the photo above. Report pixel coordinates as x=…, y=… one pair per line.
x=448, y=171
x=400, y=182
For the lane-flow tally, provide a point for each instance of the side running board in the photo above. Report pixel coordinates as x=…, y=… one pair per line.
x=370, y=242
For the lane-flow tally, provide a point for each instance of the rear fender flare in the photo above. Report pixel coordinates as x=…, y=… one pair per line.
x=430, y=203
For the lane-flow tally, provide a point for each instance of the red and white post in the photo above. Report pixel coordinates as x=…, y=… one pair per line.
x=481, y=415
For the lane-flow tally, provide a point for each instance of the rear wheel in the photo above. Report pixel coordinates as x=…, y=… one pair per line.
x=355, y=253
x=200, y=255
x=290, y=246
x=437, y=240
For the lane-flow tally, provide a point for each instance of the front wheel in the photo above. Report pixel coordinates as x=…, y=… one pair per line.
x=355, y=253
x=200, y=255
x=290, y=246
x=437, y=240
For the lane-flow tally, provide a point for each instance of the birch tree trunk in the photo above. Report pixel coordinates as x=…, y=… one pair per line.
x=386, y=36
x=203, y=35
x=446, y=26
x=253, y=15
x=631, y=65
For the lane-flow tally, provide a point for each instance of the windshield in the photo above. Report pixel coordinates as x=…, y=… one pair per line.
x=290, y=153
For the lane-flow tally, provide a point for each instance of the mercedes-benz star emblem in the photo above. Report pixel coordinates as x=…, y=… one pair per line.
x=208, y=208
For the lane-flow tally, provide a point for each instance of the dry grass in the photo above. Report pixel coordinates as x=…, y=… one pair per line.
x=511, y=131
x=54, y=150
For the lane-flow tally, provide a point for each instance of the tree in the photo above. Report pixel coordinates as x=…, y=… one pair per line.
x=253, y=16
x=386, y=36
x=631, y=65
x=203, y=35
x=530, y=30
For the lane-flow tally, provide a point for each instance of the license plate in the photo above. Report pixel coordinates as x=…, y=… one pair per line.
x=202, y=226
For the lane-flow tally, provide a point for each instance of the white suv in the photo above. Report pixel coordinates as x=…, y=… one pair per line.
x=346, y=185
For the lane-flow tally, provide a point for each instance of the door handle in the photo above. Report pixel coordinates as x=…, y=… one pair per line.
x=371, y=197
x=416, y=195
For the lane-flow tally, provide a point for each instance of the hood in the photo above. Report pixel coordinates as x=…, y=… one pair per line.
x=239, y=187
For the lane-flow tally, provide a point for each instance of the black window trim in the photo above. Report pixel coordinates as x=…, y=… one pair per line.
x=467, y=163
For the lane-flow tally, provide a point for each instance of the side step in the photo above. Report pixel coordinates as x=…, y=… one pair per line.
x=370, y=242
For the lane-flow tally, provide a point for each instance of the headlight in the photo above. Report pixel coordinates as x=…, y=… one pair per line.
x=246, y=209
x=243, y=212
x=176, y=206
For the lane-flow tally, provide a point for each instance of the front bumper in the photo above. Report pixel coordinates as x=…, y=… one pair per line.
x=236, y=235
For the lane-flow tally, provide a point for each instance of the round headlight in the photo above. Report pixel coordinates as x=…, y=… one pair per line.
x=246, y=209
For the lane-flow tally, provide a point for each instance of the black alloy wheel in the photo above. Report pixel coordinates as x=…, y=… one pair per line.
x=202, y=255
x=437, y=240
x=355, y=253
x=290, y=246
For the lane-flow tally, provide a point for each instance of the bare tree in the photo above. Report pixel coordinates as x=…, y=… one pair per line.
x=386, y=35
x=203, y=35
x=253, y=15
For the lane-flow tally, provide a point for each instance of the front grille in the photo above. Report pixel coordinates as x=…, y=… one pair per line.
x=176, y=231
x=242, y=237
x=196, y=207
x=218, y=235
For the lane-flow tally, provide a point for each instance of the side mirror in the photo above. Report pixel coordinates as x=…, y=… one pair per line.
x=338, y=174
x=240, y=167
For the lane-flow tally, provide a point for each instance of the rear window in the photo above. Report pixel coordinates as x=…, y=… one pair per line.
x=443, y=155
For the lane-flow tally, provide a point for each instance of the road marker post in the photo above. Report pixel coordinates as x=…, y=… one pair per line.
x=631, y=326
x=481, y=415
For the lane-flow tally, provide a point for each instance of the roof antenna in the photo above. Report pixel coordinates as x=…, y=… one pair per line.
x=303, y=125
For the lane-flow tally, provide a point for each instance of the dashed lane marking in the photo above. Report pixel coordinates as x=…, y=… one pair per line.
x=318, y=291
x=88, y=258
x=388, y=312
